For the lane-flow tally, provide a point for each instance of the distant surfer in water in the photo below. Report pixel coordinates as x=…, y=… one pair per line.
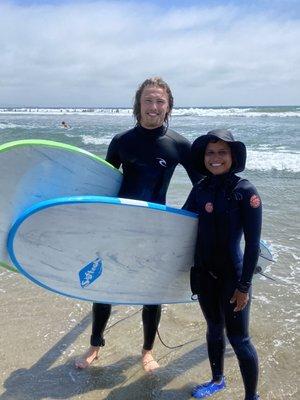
x=65, y=125
x=228, y=206
x=148, y=154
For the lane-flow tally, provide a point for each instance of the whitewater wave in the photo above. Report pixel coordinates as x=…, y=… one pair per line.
x=247, y=112
x=8, y=126
x=88, y=139
x=236, y=112
x=267, y=161
x=68, y=111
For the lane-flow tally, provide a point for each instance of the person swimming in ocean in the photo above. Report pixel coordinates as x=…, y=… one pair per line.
x=65, y=125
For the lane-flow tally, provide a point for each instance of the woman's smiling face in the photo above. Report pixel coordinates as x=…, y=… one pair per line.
x=217, y=157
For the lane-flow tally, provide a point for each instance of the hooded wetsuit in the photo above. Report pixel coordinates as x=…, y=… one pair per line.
x=148, y=159
x=228, y=206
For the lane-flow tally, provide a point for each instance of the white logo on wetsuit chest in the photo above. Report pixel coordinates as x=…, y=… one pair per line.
x=162, y=162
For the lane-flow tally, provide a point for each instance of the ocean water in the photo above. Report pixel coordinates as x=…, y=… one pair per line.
x=272, y=137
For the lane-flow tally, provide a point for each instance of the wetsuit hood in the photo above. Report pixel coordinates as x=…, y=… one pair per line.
x=238, y=150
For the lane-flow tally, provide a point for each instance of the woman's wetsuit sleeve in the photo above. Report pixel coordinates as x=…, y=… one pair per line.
x=112, y=155
x=252, y=222
x=191, y=202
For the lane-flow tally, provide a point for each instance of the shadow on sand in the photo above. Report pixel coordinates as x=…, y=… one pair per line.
x=122, y=380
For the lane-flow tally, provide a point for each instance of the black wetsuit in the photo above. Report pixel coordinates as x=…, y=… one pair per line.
x=148, y=159
x=228, y=206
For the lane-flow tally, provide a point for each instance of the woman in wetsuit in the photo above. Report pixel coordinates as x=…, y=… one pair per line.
x=228, y=206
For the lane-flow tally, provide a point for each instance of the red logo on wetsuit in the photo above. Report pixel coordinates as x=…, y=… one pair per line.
x=255, y=201
x=209, y=207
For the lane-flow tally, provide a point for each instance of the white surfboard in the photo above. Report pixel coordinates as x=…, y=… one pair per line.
x=36, y=170
x=107, y=250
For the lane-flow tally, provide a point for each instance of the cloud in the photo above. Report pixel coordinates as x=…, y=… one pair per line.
x=95, y=53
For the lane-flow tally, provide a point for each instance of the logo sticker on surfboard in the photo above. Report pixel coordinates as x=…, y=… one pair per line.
x=90, y=272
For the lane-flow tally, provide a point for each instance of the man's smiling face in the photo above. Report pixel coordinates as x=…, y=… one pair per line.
x=154, y=107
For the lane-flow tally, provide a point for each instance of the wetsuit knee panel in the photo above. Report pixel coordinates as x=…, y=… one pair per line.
x=242, y=347
x=238, y=340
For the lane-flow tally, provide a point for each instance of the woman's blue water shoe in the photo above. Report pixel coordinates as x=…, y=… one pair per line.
x=208, y=389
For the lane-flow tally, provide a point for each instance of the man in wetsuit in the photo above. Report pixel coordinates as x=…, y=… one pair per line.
x=148, y=154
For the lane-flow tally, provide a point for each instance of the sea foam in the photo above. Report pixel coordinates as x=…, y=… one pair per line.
x=267, y=160
x=88, y=139
x=246, y=112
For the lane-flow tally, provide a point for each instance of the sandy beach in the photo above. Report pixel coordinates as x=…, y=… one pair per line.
x=42, y=334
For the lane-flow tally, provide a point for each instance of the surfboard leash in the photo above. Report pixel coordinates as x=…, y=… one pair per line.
x=157, y=331
x=122, y=319
x=267, y=276
x=174, y=347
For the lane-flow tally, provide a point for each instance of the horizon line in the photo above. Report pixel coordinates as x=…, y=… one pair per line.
x=130, y=107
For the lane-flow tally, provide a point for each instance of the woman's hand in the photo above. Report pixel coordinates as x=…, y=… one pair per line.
x=241, y=299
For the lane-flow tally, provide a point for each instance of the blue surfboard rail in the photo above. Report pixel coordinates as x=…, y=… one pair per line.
x=91, y=199
x=62, y=201
x=78, y=200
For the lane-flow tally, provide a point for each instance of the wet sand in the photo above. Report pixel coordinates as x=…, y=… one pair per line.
x=42, y=334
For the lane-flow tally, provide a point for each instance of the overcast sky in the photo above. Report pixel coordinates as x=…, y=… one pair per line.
x=95, y=53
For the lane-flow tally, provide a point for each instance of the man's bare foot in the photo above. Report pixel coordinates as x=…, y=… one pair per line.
x=87, y=358
x=148, y=362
